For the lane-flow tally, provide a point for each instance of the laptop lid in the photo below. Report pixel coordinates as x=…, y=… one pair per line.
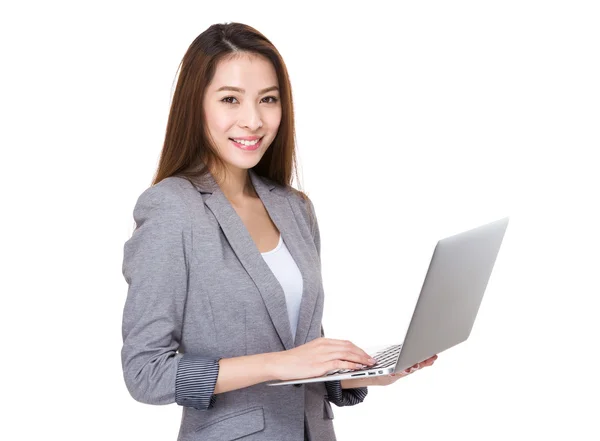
x=451, y=294
x=450, y=297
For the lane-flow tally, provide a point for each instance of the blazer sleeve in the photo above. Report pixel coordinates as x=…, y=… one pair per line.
x=155, y=266
x=335, y=394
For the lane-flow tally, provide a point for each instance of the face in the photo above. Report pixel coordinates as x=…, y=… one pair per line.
x=242, y=109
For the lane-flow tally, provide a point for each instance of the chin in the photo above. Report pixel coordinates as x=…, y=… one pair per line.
x=247, y=163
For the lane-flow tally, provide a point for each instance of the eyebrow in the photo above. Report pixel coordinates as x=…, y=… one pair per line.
x=237, y=89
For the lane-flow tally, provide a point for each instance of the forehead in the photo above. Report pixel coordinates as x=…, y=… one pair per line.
x=248, y=71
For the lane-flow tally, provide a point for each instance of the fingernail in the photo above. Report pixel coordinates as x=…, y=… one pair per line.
x=372, y=360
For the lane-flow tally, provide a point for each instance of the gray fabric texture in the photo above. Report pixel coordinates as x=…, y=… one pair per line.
x=199, y=290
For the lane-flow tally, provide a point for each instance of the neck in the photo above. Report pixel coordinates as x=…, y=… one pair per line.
x=235, y=184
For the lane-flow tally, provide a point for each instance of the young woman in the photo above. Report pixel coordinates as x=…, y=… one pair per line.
x=225, y=289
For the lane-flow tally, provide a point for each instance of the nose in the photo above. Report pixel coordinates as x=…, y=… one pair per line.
x=250, y=117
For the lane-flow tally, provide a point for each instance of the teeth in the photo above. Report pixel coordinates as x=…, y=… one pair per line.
x=247, y=143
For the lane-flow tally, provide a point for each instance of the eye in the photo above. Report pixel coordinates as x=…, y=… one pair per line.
x=228, y=98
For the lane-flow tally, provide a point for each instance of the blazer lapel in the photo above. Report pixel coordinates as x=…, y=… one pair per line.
x=278, y=206
x=280, y=210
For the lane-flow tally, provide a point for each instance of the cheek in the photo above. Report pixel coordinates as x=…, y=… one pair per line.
x=218, y=122
x=274, y=119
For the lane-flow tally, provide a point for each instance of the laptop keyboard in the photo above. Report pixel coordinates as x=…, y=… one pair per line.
x=385, y=358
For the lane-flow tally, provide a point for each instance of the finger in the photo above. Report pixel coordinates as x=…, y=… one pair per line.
x=339, y=364
x=414, y=368
x=431, y=360
x=346, y=350
x=411, y=369
x=351, y=357
x=364, y=357
x=358, y=351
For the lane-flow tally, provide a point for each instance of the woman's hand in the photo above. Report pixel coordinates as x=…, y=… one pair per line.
x=318, y=357
x=385, y=380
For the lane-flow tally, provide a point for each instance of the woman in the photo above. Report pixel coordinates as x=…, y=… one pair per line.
x=225, y=289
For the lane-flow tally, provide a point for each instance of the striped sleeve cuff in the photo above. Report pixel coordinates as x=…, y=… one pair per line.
x=195, y=381
x=344, y=397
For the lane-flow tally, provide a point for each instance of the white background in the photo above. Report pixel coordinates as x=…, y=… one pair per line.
x=415, y=120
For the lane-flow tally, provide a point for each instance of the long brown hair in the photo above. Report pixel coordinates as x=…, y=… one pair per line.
x=188, y=151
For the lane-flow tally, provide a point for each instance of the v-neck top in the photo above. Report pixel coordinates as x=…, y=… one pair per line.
x=288, y=274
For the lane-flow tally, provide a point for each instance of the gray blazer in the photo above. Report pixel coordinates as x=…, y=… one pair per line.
x=199, y=290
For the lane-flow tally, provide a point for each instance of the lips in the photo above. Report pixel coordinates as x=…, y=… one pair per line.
x=247, y=147
x=248, y=138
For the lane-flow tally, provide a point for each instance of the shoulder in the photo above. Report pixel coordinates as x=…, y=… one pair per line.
x=166, y=199
x=305, y=205
x=297, y=197
x=169, y=188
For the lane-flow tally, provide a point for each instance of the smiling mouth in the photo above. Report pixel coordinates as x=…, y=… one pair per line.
x=243, y=139
x=247, y=145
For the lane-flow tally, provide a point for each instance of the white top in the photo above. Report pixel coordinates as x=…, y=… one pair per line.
x=289, y=276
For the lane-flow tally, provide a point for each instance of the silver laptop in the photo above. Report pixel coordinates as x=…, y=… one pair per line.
x=457, y=277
